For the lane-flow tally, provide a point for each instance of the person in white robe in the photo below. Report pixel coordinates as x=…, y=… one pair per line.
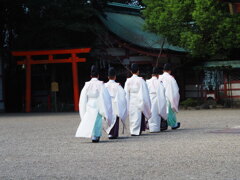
x=158, y=102
x=94, y=104
x=172, y=95
x=138, y=102
x=119, y=104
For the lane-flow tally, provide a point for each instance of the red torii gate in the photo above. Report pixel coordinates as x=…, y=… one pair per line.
x=28, y=61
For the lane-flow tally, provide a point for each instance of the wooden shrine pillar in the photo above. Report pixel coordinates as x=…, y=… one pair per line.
x=28, y=84
x=75, y=83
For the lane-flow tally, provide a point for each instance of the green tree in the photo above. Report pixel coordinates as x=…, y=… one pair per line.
x=34, y=24
x=57, y=24
x=204, y=28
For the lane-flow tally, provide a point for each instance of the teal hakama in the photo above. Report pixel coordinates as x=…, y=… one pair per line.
x=171, y=117
x=97, y=130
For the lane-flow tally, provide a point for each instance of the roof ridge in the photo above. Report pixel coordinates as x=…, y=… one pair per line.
x=131, y=6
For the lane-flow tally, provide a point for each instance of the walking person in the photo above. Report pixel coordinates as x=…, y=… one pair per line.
x=158, y=102
x=138, y=102
x=119, y=103
x=94, y=103
x=172, y=95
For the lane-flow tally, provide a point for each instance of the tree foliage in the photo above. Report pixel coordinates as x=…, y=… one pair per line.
x=203, y=27
x=34, y=24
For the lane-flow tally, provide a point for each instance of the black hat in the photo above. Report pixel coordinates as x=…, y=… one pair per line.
x=111, y=72
x=94, y=71
x=156, y=70
x=167, y=67
x=134, y=68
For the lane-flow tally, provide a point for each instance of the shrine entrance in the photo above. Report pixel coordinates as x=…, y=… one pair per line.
x=51, y=78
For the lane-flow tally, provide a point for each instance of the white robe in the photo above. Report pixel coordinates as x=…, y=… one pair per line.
x=171, y=90
x=138, y=102
x=158, y=104
x=94, y=100
x=119, y=103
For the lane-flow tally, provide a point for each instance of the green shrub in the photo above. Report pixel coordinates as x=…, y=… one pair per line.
x=189, y=102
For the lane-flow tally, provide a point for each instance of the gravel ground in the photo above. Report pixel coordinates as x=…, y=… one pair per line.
x=43, y=146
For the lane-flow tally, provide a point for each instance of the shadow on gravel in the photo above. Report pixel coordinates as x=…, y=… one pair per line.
x=226, y=131
x=169, y=131
x=155, y=134
x=119, y=139
x=100, y=142
x=123, y=137
x=146, y=134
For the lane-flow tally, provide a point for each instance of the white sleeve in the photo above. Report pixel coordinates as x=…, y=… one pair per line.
x=105, y=105
x=162, y=103
x=121, y=104
x=145, y=100
x=126, y=89
x=83, y=101
x=172, y=94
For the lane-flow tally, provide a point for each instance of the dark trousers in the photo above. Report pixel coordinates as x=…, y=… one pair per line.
x=143, y=124
x=114, y=130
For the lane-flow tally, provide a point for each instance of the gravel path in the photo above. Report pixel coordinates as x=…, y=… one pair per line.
x=42, y=146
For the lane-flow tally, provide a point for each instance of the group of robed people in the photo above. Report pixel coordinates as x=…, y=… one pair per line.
x=155, y=100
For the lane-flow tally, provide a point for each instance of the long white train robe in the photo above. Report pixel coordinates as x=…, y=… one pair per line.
x=94, y=103
x=158, y=104
x=119, y=102
x=138, y=102
x=171, y=91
